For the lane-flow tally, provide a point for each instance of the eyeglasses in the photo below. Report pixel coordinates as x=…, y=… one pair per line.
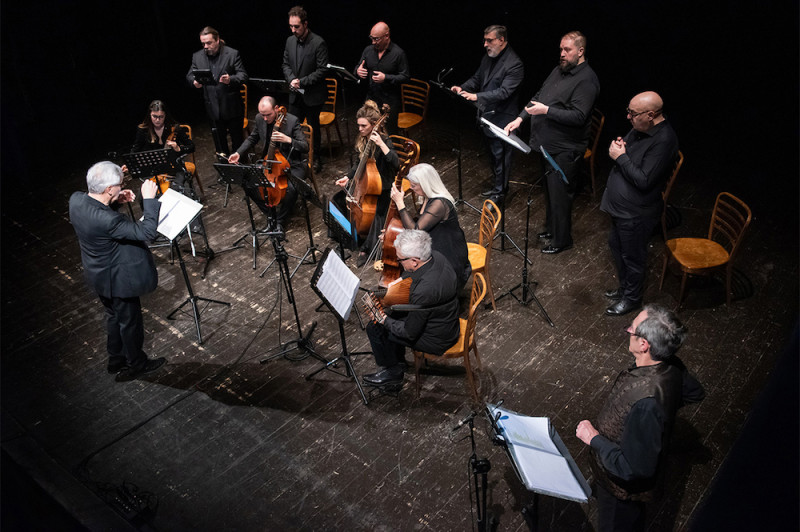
x=407, y=258
x=158, y=117
x=376, y=39
x=630, y=332
x=634, y=114
x=489, y=39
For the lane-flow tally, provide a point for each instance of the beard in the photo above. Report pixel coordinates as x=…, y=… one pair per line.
x=566, y=65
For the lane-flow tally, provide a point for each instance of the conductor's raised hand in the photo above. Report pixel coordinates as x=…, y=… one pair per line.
x=234, y=158
x=149, y=189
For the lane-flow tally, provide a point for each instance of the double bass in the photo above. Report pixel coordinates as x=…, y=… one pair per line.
x=275, y=167
x=366, y=186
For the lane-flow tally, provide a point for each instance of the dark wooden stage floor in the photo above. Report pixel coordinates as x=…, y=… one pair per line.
x=217, y=440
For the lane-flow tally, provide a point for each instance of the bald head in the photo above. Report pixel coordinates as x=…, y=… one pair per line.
x=380, y=36
x=648, y=101
x=645, y=110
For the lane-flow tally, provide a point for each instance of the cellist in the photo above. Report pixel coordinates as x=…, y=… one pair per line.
x=386, y=161
x=291, y=143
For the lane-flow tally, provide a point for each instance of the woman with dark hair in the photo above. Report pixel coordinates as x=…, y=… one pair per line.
x=386, y=161
x=160, y=131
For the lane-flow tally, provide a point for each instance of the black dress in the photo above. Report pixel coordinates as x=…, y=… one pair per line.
x=439, y=218
x=186, y=145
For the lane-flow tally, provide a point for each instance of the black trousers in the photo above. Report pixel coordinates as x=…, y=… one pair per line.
x=617, y=515
x=388, y=349
x=284, y=208
x=628, y=240
x=501, y=163
x=222, y=128
x=125, y=330
x=559, y=196
x=309, y=113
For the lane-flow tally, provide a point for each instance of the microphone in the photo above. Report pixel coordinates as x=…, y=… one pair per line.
x=443, y=73
x=466, y=420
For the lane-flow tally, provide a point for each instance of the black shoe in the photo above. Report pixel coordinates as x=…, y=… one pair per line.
x=361, y=260
x=622, y=307
x=385, y=377
x=489, y=193
x=149, y=366
x=614, y=293
x=115, y=366
x=545, y=235
x=552, y=250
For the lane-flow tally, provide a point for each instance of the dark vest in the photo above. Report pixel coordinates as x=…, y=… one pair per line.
x=661, y=381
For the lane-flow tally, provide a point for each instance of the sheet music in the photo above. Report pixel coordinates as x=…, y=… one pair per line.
x=542, y=460
x=338, y=284
x=510, y=138
x=177, y=212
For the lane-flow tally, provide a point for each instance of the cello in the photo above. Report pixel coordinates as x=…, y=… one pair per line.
x=275, y=167
x=366, y=186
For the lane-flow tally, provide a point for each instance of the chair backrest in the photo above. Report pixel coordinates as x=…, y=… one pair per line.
x=729, y=220
x=332, y=84
x=414, y=96
x=490, y=220
x=407, y=151
x=596, y=127
x=668, y=190
x=188, y=129
x=308, y=131
x=243, y=95
x=475, y=299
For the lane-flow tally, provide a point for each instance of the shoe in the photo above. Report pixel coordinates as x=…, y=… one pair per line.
x=385, y=377
x=489, y=193
x=149, y=366
x=361, y=260
x=552, y=250
x=115, y=366
x=545, y=235
x=614, y=293
x=622, y=307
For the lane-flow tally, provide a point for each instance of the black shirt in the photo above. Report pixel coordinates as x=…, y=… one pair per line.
x=393, y=64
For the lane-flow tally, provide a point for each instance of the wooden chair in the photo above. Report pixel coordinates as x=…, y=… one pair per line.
x=466, y=338
x=481, y=253
x=667, y=191
x=414, y=103
x=246, y=123
x=598, y=120
x=308, y=131
x=703, y=256
x=190, y=163
x=327, y=117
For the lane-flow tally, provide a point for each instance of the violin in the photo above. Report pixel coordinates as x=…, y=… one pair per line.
x=276, y=167
x=366, y=186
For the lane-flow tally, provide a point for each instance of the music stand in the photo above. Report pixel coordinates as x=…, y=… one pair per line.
x=245, y=176
x=345, y=74
x=340, y=227
x=146, y=164
x=176, y=214
x=270, y=86
x=337, y=287
x=539, y=458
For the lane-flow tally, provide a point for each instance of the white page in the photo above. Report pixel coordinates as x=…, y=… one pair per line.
x=177, y=211
x=338, y=284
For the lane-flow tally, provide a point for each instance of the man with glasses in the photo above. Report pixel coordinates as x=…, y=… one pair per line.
x=643, y=160
x=560, y=115
x=117, y=263
x=629, y=444
x=385, y=65
x=493, y=88
x=305, y=60
x=434, y=329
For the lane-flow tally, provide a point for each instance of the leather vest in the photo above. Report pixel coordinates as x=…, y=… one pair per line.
x=662, y=382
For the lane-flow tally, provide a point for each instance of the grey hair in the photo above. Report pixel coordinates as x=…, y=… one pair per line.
x=429, y=181
x=500, y=30
x=663, y=331
x=414, y=243
x=103, y=175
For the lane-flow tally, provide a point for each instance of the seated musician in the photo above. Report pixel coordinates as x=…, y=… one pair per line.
x=292, y=144
x=160, y=131
x=433, y=286
x=386, y=161
x=437, y=216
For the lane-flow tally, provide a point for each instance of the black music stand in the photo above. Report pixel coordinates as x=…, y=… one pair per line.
x=245, y=176
x=345, y=75
x=337, y=287
x=340, y=227
x=525, y=284
x=270, y=86
x=452, y=96
x=146, y=164
x=178, y=212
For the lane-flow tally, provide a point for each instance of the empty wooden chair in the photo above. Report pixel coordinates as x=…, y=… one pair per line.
x=598, y=120
x=667, y=191
x=481, y=253
x=327, y=117
x=466, y=339
x=308, y=131
x=703, y=256
x=246, y=123
x=190, y=164
x=414, y=103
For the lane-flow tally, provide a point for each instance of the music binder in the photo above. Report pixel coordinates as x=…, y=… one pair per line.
x=540, y=458
x=511, y=138
x=335, y=284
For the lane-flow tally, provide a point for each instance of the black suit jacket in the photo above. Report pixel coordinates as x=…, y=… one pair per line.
x=223, y=101
x=116, y=260
x=309, y=66
x=294, y=152
x=496, y=85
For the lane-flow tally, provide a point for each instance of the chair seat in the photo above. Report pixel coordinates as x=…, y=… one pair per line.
x=697, y=254
x=459, y=347
x=477, y=255
x=190, y=167
x=326, y=118
x=407, y=120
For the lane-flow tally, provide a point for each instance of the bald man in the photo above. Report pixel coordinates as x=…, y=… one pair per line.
x=643, y=160
x=385, y=66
